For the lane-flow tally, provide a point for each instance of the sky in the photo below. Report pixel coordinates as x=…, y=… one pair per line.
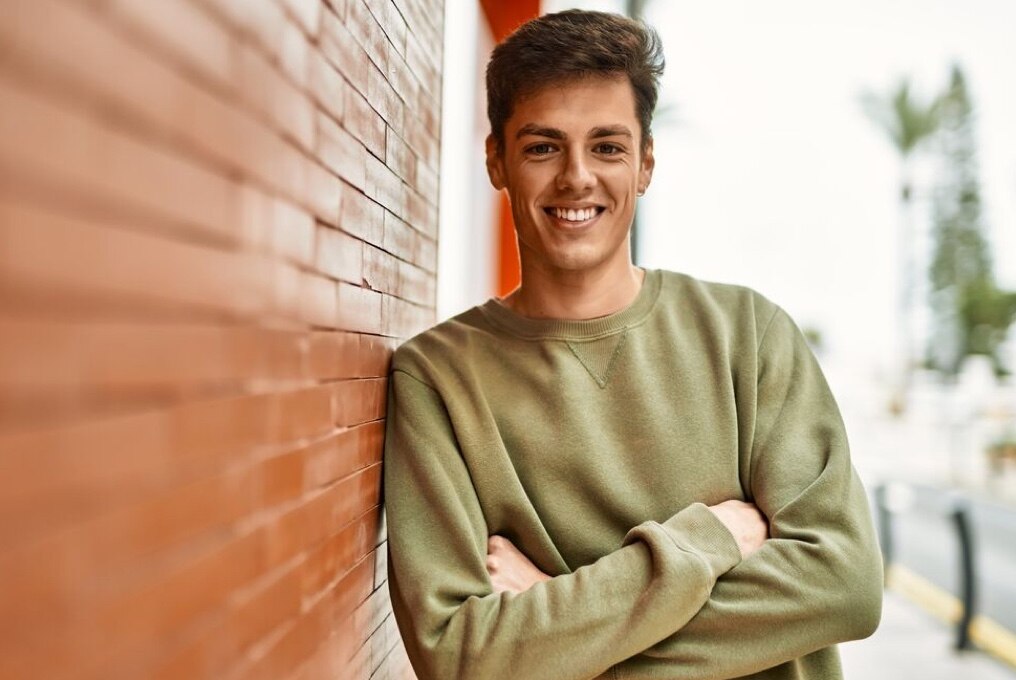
x=769, y=174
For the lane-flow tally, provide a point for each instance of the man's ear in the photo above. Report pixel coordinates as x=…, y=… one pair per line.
x=646, y=167
x=495, y=164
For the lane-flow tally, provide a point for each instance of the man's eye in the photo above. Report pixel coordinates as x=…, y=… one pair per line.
x=540, y=149
x=608, y=149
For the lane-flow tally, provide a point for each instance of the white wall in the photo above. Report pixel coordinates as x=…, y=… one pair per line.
x=467, y=255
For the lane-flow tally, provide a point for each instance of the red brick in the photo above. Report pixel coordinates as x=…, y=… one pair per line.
x=381, y=565
x=368, y=33
x=343, y=51
x=260, y=20
x=327, y=86
x=293, y=233
x=333, y=355
x=400, y=239
x=400, y=158
x=373, y=612
x=421, y=141
x=287, y=287
x=337, y=555
x=295, y=53
x=361, y=216
x=146, y=94
x=403, y=319
x=185, y=32
x=384, y=99
x=385, y=187
x=289, y=110
x=207, y=653
x=136, y=179
x=321, y=516
x=64, y=354
x=425, y=72
x=322, y=192
x=158, y=609
x=427, y=258
x=416, y=284
x=280, y=479
x=428, y=109
x=192, y=455
x=391, y=21
x=282, y=354
x=343, y=453
x=45, y=250
x=375, y=356
x=343, y=153
x=381, y=271
x=307, y=13
x=257, y=211
x=300, y=415
x=427, y=183
x=402, y=81
x=297, y=643
x=339, y=7
x=359, y=309
x=318, y=301
x=419, y=214
x=339, y=255
x=337, y=656
x=359, y=401
x=419, y=24
x=364, y=123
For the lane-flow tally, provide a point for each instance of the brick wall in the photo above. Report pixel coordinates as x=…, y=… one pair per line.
x=217, y=218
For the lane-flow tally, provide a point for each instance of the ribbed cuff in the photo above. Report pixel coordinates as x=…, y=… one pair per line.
x=696, y=529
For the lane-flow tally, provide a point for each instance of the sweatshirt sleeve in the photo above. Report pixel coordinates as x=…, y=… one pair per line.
x=818, y=580
x=574, y=626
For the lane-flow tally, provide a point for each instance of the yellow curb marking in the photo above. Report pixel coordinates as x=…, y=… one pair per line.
x=986, y=633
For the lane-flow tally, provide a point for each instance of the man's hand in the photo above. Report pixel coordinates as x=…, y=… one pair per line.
x=746, y=522
x=512, y=571
x=509, y=569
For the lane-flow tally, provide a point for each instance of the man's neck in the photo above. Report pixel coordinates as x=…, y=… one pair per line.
x=577, y=295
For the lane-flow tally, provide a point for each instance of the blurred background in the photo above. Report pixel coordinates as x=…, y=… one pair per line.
x=218, y=218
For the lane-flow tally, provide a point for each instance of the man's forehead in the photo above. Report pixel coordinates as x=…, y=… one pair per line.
x=596, y=102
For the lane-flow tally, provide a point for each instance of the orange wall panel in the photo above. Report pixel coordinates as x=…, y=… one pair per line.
x=503, y=18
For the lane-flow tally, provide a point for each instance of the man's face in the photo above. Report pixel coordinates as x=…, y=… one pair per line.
x=573, y=166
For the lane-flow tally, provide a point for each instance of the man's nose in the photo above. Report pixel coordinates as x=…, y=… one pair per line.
x=575, y=175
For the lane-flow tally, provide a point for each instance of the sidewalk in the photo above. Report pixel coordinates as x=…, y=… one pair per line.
x=912, y=644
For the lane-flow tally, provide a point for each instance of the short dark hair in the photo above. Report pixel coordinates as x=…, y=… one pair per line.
x=572, y=45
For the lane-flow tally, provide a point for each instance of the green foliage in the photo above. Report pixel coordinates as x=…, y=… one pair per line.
x=906, y=121
x=971, y=314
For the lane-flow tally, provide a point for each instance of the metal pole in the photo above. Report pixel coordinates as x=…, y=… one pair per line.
x=968, y=591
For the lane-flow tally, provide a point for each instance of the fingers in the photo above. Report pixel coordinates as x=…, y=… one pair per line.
x=509, y=568
x=745, y=522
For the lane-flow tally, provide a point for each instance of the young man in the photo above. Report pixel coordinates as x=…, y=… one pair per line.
x=614, y=472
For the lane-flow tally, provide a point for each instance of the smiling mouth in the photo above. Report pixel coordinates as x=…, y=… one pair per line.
x=574, y=215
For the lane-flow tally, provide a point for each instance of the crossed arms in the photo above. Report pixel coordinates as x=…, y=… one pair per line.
x=677, y=599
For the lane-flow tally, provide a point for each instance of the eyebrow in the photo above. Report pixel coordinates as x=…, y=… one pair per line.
x=610, y=131
x=554, y=133
x=538, y=131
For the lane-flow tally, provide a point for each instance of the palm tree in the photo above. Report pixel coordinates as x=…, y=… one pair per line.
x=908, y=123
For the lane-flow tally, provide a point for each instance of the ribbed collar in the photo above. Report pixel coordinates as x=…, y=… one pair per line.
x=566, y=329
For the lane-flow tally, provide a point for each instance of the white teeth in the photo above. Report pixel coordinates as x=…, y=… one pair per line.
x=573, y=215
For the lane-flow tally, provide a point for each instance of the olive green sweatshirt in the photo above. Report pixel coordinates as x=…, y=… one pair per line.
x=595, y=447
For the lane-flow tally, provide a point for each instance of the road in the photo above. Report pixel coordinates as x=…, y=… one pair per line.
x=925, y=541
